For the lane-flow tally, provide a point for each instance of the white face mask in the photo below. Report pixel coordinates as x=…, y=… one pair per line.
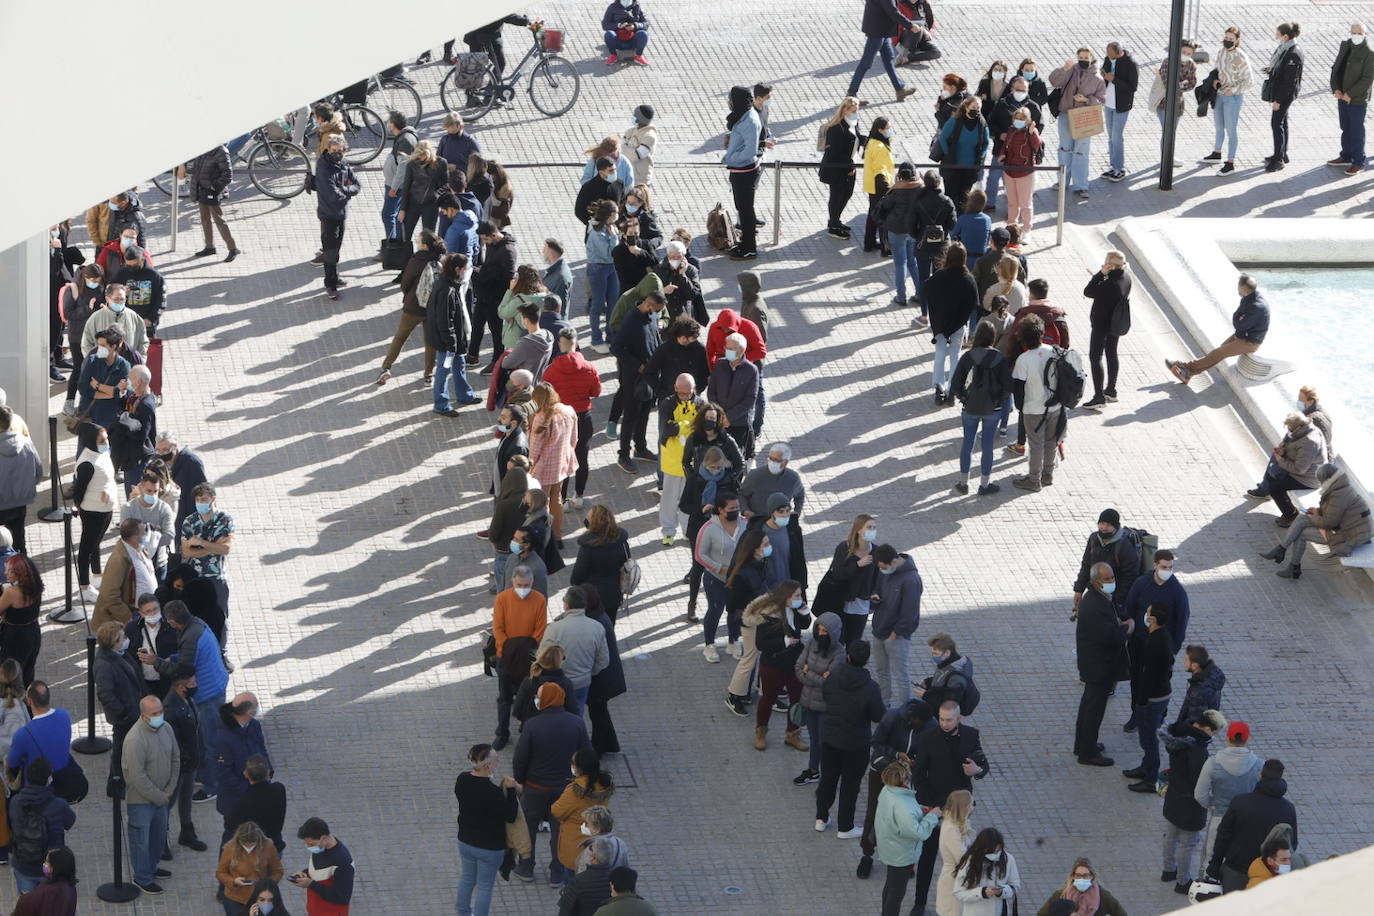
x=587, y=831
x=774, y=467
x=1019, y=96
x=1357, y=39
x=852, y=118
x=675, y=263
x=522, y=592
x=249, y=847
x=999, y=74
x=124, y=645
x=1164, y=574
x=102, y=352
x=945, y=93
x=573, y=771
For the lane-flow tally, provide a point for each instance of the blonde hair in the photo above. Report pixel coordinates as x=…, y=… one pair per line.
x=425, y=153
x=838, y=116
x=1023, y=113
x=546, y=401
x=608, y=145
x=1309, y=392
x=1008, y=269
x=896, y=774
x=538, y=499
x=549, y=658
x=641, y=193
x=109, y=634
x=248, y=833
x=958, y=806
x=856, y=532
x=1115, y=257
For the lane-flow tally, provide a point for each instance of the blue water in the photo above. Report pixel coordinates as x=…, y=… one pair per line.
x=1324, y=316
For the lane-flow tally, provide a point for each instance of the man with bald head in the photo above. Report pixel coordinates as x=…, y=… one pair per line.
x=1351, y=77
x=238, y=737
x=677, y=416
x=1102, y=661
x=152, y=764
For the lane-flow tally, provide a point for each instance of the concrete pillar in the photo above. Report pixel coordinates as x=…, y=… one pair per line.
x=24, y=338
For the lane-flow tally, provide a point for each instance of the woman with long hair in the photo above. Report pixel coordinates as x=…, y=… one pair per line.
x=982, y=380
x=246, y=859
x=956, y=835
x=608, y=146
x=56, y=893
x=547, y=668
x=986, y=880
x=778, y=621
x=603, y=284
x=20, y=634
x=706, y=475
x=901, y=827
x=526, y=288
x=964, y=141
x=553, y=449
x=502, y=194
x=601, y=552
x=745, y=583
x=484, y=811
x=879, y=172
x=639, y=204
x=265, y=899
x=480, y=184
x=1084, y=891
x=590, y=786
x=838, y=139
x=1235, y=74
x=94, y=495
x=413, y=311
x=418, y=188
x=952, y=295
x=852, y=570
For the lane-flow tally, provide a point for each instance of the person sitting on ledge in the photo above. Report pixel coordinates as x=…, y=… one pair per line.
x=1293, y=465
x=1251, y=323
x=1340, y=521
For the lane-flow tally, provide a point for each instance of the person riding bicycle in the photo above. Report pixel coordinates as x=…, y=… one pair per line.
x=488, y=38
x=627, y=29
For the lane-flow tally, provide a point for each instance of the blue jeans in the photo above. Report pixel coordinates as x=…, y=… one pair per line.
x=1074, y=154
x=993, y=183
x=1352, y=131
x=883, y=48
x=813, y=739
x=636, y=44
x=498, y=568
x=716, y=598
x=947, y=349
x=24, y=883
x=605, y=286
x=581, y=694
x=442, y=370
x=477, y=872
x=924, y=266
x=1148, y=718
x=208, y=708
x=390, y=205
x=904, y=263
x=237, y=144
x=147, y=839
x=1227, y=117
x=1116, y=136
x=971, y=423
x=1004, y=413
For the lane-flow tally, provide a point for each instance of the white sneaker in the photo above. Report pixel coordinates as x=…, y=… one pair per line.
x=575, y=504
x=737, y=649
x=821, y=825
x=602, y=348
x=89, y=593
x=711, y=654
x=853, y=834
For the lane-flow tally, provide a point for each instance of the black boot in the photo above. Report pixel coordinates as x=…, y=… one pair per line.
x=1277, y=554
x=865, y=867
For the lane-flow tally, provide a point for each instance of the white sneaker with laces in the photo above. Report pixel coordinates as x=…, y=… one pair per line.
x=851, y=834
x=737, y=649
x=711, y=654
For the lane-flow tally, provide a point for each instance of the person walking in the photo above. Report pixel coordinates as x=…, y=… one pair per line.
x=852, y=705
x=778, y=619
x=1352, y=74
x=1234, y=77
x=982, y=380
x=1122, y=76
x=1282, y=86
x=1083, y=890
x=902, y=826
x=881, y=19
x=1079, y=85
x=741, y=162
x=211, y=172
x=951, y=295
x=485, y=809
x=417, y=285
x=1102, y=662
x=986, y=880
x=151, y=765
x=1110, y=318
x=839, y=137
x=244, y=860
x=335, y=187
x=446, y=330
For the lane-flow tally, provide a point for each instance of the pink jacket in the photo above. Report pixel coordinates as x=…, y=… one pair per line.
x=553, y=445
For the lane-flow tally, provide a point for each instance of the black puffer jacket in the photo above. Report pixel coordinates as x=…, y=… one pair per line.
x=447, y=327
x=211, y=171
x=897, y=211
x=129, y=216
x=1248, y=821
x=852, y=703
x=1204, y=692
x=1187, y=747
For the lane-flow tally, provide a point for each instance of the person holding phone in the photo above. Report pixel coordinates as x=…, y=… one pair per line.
x=265, y=899
x=986, y=879
x=245, y=860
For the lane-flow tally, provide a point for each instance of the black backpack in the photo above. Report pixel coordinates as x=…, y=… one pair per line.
x=980, y=395
x=30, y=836
x=1065, y=378
x=972, y=696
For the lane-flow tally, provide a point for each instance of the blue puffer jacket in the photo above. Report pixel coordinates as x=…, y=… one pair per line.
x=971, y=144
x=335, y=186
x=900, y=826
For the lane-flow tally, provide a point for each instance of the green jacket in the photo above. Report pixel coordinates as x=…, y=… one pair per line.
x=627, y=905
x=1353, y=71
x=631, y=298
x=511, y=329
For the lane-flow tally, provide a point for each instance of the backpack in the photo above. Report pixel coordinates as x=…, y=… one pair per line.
x=932, y=235
x=720, y=229
x=426, y=284
x=30, y=836
x=1065, y=378
x=972, y=696
x=1144, y=543
x=1056, y=96
x=470, y=72
x=979, y=397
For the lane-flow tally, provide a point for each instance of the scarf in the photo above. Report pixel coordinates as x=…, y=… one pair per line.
x=1279, y=51
x=1088, y=901
x=145, y=580
x=708, y=493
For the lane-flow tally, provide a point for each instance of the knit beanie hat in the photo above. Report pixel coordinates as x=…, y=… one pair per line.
x=551, y=695
x=643, y=114
x=1111, y=517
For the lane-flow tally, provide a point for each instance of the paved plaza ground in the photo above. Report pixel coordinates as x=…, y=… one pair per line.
x=359, y=590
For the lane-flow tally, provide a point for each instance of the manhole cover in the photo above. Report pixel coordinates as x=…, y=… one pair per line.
x=731, y=889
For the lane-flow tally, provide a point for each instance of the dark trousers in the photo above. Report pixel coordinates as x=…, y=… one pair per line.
x=186, y=785
x=425, y=214
x=604, y=738
x=1278, y=483
x=958, y=182
x=841, y=190
x=1101, y=344
x=635, y=418
x=925, y=870
x=494, y=48
x=585, y=431
x=484, y=316
x=773, y=683
x=13, y=519
x=1233, y=879
x=744, y=438
x=617, y=405
x=331, y=241
x=843, y=767
x=868, y=843
x=1091, y=708
x=22, y=642
x=874, y=235
x=505, y=698
x=894, y=888
x=93, y=528
x=1278, y=123
x=852, y=625
x=536, y=804
x=219, y=624
x=1148, y=717
x=742, y=186
x=760, y=402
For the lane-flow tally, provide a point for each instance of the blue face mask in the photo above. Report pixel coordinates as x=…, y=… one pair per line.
x=1028, y=74
x=768, y=551
x=150, y=500
x=102, y=449
x=870, y=534
x=1082, y=884
x=794, y=603
x=781, y=522
x=114, y=208
x=203, y=508
x=888, y=571
x=314, y=850
x=515, y=547
x=1018, y=124
x=887, y=133
x=117, y=307
x=92, y=284
x=156, y=721
x=1108, y=587
x=632, y=208
x=266, y=908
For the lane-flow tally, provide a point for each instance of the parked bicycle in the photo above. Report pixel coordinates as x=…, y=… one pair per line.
x=364, y=130
x=388, y=94
x=472, y=88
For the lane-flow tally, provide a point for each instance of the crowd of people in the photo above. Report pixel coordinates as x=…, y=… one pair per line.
x=833, y=659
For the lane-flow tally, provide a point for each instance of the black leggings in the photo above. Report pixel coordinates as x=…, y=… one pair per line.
x=874, y=234
x=485, y=316
x=958, y=182
x=604, y=738
x=841, y=190
x=1278, y=123
x=93, y=528
x=894, y=888
x=585, y=431
x=852, y=626
x=428, y=214
x=742, y=187
x=1103, y=344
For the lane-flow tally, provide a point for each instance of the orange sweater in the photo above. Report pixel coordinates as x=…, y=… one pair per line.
x=516, y=616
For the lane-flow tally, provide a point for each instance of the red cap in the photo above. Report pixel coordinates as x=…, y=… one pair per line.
x=1238, y=731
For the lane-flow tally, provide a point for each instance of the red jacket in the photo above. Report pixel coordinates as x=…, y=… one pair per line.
x=111, y=259
x=1020, y=149
x=575, y=380
x=728, y=322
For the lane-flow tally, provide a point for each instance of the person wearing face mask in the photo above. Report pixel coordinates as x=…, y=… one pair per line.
x=55, y=894
x=1282, y=86
x=880, y=19
x=638, y=141
x=837, y=140
x=78, y=301
x=541, y=765
x=557, y=275
x=992, y=88
x=102, y=373
x=134, y=439
x=963, y=145
x=734, y=386
x=1116, y=545
x=1038, y=91
x=198, y=648
x=186, y=470
x=953, y=675
x=714, y=545
x=151, y=766
x=244, y=860
x=677, y=414
x=584, y=642
x=486, y=808
x=1352, y=74
x=903, y=825
x=328, y=879
x=508, y=512
x=896, y=600
x=20, y=471
x=335, y=187
x=850, y=580
x=126, y=212
x=1079, y=85
x=115, y=314
x=953, y=93
x=1121, y=75
x=879, y=172
x=1234, y=77
x=634, y=257
x=184, y=719
x=1187, y=75
x=745, y=580
x=776, y=477
x=238, y=736
x=1100, y=637
x=524, y=554
x=624, y=27
x=1162, y=588
x=986, y=879
x=1340, y=521
x=898, y=215
x=1184, y=817
x=148, y=631
x=36, y=798
x=1022, y=149
x=591, y=786
x=597, y=822
x=1150, y=690
x=778, y=619
x=852, y=706
x=1084, y=892
x=519, y=612
x=639, y=205
x=894, y=742
x=447, y=329
x=110, y=258
x=635, y=343
x=143, y=284
x=681, y=285
x=207, y=537
x=94, y=495
x=577, y=383
x=1275, y=858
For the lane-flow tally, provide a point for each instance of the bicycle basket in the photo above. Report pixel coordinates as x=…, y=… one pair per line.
x=552, y=38
x=280, y=129
x=471, y=70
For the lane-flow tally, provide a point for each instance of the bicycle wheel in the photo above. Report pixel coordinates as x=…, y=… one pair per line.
x=554, y=85
x=470, y=103
x=394, y=95
x=365, y=132
x=278, y=169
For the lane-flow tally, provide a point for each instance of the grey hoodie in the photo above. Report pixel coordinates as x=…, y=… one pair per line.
x=817, y=664
x=753, y=308
x=1230, y=772
x=20, y=470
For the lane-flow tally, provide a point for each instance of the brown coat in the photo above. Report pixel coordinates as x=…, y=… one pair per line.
x=262, y=862
x=116, y=598
x=98, y=224
x=576, y=798
x=1345, y=515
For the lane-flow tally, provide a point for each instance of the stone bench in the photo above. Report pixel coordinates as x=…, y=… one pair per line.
x=1262, y=369
x=1361, y=558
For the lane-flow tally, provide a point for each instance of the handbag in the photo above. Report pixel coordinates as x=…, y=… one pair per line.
x=937, y=152
x=796, y=714
x=396, y=253
x=1086, y=121
x=643, y=391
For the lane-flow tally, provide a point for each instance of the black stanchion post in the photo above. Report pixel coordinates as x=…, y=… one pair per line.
x=118, y=890
x=54, y=512
x=91, y=743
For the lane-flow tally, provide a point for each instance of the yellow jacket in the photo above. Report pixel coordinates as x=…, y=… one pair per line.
x=877, y=161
